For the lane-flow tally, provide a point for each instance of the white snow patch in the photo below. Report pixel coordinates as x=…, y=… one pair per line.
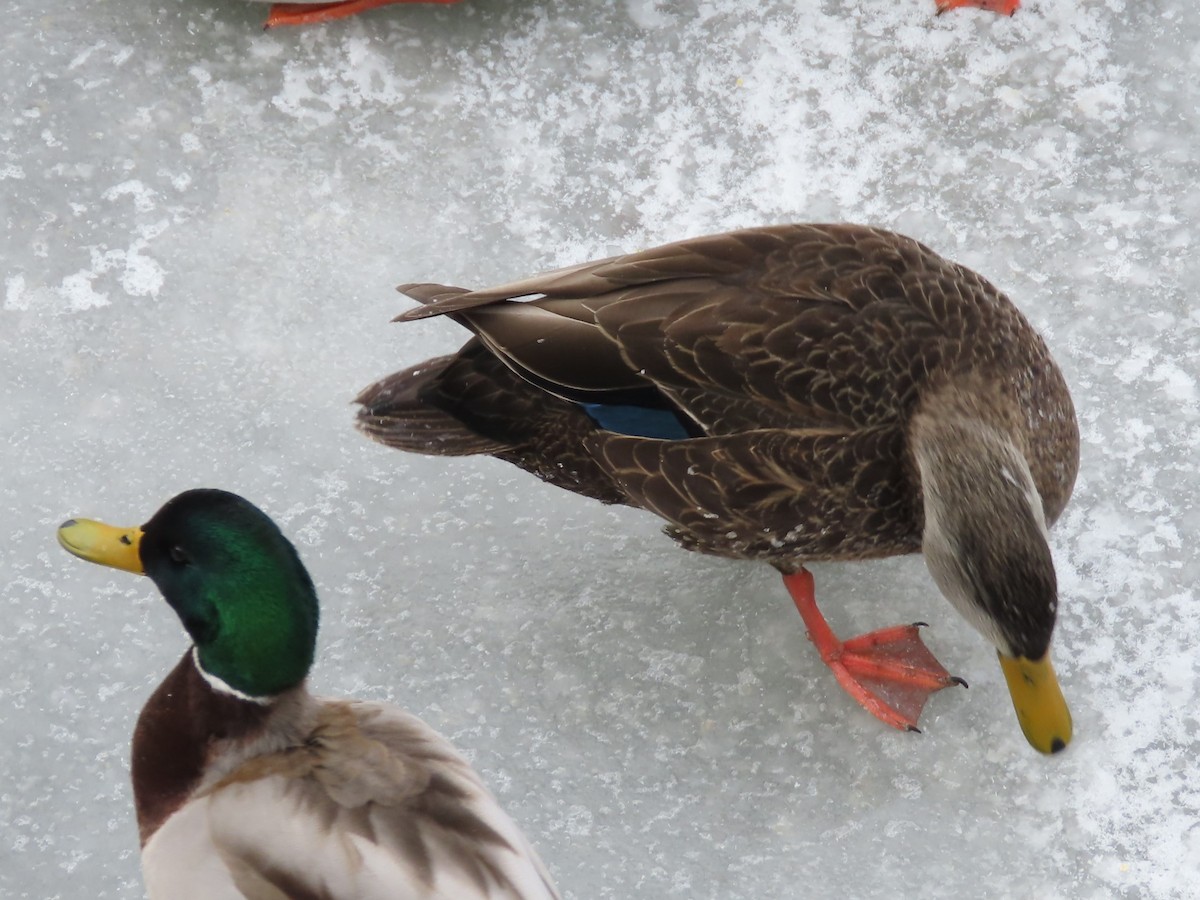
x=15, y=298
x=77, y=290
x=143, y=197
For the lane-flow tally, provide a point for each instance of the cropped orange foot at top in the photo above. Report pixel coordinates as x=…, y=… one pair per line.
x=890, y=671
x=1004, y=7
x=312, y=13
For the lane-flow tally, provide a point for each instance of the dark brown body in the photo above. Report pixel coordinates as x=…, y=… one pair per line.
x=798, y=356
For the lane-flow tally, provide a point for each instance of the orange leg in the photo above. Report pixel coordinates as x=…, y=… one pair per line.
x=889, y=671
x=312, y=13
x=1004, y=7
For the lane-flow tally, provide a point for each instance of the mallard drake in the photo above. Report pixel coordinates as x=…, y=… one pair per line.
x=785, y=394
x=248, y=786
x=311, y=13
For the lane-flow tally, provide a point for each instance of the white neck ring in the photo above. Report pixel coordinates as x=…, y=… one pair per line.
x=221, y=687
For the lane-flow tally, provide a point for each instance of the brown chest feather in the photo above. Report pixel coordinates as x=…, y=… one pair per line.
x=174, y=737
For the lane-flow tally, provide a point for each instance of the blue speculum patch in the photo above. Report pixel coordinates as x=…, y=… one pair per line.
x=637, y=421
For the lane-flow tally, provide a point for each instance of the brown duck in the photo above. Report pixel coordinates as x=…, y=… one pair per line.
x=788, y=394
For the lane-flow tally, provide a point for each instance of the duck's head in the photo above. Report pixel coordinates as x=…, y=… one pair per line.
x=986, y=545
x=234, y=580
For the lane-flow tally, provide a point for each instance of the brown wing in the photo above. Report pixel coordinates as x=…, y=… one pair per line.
x=829, y=326
x=800, y=325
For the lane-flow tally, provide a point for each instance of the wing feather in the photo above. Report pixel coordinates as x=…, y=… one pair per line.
x=773, y=493
x=754, y=327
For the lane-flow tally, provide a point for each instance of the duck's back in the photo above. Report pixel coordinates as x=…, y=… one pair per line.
x=837, y=328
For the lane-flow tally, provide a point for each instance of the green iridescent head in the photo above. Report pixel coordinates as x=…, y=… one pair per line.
x=235, y=581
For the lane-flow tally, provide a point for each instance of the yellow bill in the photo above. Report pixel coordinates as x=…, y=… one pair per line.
x=1039, y=702
x=104, y=544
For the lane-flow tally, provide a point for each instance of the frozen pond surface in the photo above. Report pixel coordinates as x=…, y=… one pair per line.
x=201, y=227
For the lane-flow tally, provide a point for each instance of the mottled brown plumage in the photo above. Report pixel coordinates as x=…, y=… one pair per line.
x=796, y=360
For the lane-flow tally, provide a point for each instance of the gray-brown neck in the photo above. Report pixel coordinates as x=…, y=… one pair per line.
x=985, y=538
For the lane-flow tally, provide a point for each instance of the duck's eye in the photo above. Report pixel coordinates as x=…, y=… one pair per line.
x=178, y=556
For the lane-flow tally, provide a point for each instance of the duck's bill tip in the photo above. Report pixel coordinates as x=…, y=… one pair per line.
x=104, y=544
x=1037, y=698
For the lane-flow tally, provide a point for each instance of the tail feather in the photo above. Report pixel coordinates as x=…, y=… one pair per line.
x=434, y=299
x=394, y=413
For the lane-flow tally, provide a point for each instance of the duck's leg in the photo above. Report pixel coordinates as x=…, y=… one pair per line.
x=890, y=672
x=1004, y=7
x=311, y=13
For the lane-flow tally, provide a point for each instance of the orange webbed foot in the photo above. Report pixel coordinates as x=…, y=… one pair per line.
x=890, y=672
x=312, y=13
x=1003, y=7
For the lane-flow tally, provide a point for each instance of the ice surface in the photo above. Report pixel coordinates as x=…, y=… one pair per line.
x=202, y=224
